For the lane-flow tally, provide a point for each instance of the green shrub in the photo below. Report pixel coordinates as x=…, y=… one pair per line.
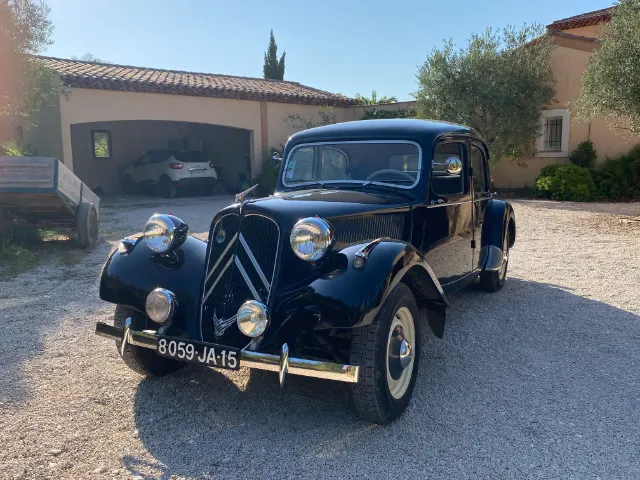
x=268, y=178
x=584, y=155
x=619, y=178
x=375, y=113
x=565, y=182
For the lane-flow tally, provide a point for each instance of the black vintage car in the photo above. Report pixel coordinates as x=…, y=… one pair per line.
x=371, y=226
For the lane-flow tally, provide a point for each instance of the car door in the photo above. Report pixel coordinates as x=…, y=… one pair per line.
x=480, y=184
x=448, y=233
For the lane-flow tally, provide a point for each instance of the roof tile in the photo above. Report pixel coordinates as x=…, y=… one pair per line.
x=584, y=19
x=81, y=74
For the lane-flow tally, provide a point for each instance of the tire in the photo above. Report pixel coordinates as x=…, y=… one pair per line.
x=87, y=225
x=139, y=359
x=166, y=187
x=378, y=397
x=493, y=281
x=128, y=185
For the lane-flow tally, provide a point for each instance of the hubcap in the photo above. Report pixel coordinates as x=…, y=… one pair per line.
x=505, y=256
x=400, y=358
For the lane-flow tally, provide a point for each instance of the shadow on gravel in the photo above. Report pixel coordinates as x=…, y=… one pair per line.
x=531, y=381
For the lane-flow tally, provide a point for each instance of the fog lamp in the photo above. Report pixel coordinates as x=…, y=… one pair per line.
x=252, y=318
x=160, y=305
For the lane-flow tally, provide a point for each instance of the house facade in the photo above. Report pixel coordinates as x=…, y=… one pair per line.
x=575, y=39
x=106, y=116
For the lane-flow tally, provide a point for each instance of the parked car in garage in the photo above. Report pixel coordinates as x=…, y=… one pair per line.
x=373, y=224
x=171, y=170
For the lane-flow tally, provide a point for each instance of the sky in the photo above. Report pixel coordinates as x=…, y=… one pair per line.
x=343, y=46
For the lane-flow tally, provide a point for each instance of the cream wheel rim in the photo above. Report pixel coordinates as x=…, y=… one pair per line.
x=400, y=354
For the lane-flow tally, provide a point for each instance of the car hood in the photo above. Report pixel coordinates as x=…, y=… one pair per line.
x=290, y=207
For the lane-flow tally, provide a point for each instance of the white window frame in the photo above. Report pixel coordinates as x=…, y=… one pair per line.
x=564, y=150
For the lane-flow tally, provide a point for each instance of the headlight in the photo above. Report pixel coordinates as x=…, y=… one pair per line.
x=311, y=238
x=160, y=305
x=252, y=318
x=164, y=232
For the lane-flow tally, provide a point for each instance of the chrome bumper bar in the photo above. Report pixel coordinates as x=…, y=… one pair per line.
x=282, y=363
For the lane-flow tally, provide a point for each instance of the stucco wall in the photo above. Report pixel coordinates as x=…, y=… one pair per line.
x=592, y=31
x=84, y=106
x=568, y=67
x=228, y=148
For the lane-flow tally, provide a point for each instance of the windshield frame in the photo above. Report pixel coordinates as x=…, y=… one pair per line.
x=355, y=182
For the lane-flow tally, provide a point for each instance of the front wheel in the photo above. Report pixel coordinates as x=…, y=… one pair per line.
x=139, y=359
x=388, y=354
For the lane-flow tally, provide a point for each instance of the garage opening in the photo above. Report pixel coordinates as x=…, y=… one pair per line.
x=163, y=157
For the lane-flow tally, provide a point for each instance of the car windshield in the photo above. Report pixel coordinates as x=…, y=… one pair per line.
x=192, y=156
x=395, y=163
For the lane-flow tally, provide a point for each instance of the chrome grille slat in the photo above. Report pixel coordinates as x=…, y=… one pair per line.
x=248, y=265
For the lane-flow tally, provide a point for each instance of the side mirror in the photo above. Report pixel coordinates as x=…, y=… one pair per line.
x=276, y=157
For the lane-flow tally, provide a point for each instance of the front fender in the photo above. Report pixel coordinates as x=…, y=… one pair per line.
x=498, y=216
x=128, y=277
x=348, y=297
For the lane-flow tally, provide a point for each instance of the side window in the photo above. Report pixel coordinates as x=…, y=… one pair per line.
x=447, y=169
x=143, y=160
x=333, y=164
x=159, y=157
x=478, y=165
x=300, y=166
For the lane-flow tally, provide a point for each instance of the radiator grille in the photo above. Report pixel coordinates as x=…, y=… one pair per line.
x=353, y=230
x=240, y=267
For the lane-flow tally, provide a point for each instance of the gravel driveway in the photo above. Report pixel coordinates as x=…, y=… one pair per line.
x=537, y=381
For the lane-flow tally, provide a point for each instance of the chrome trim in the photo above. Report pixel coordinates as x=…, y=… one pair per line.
x=260, y=361
x=242, y=195
x=326, y=229
x=227, y=265
x=224, y=252
x=174, y=242
x=249, y=253
x=243, y=272
x=284, y=363
x=171, y=300
x=313, y=144
x=362, y=255
x=445, y=204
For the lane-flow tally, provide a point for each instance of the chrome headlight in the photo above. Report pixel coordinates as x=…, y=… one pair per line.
x=252, y=318
x=311, y=238
x=160, y=305
x=164, y=232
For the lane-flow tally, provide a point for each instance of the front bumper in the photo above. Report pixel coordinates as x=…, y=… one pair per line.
x=283, y=364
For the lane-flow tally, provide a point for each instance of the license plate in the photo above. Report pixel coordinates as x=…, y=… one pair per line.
x=198, y=172
x=200, y=353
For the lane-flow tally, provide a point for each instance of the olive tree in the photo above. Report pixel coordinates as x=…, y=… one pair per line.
x=26, y=86
x=498, y=84
x=611, y=81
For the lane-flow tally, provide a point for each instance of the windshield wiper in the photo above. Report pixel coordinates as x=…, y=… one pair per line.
x=303, y=182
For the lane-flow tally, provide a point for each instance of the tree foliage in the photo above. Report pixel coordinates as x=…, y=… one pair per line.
x=374, y=100
x=89, y=57
x=327, y=117
x=498, y=84
x=26, y=86
x=611, y=81
x=273, y=68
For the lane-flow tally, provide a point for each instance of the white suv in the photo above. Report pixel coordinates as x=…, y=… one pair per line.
x=170, y=170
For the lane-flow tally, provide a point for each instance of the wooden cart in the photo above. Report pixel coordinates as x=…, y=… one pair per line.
x=42, y=192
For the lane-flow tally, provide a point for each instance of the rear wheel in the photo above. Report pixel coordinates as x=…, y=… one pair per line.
x=493, y=280
x=166, y=187
x=141, y=360
x=388, y=354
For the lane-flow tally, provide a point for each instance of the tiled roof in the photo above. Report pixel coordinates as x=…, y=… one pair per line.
x=583, y=20
x=77, y=73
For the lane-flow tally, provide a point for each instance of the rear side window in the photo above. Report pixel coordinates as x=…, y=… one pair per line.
x=478, y=167
x=447, y=169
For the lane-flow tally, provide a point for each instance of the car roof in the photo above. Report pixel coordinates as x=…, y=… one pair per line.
x=375, y=129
